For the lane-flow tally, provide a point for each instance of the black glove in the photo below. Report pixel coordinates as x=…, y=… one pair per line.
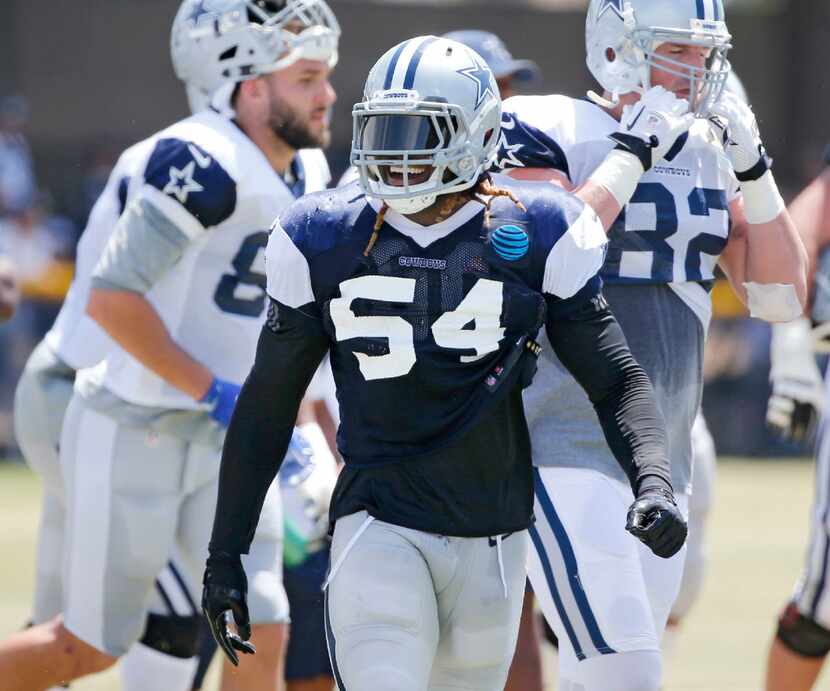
x=224, y=602
x=655, y=520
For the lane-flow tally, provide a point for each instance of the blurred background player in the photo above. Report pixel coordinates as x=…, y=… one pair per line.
x=9, y=289
x=511, y=75
x=183, y=265
x=802, y=639
x=669, y=224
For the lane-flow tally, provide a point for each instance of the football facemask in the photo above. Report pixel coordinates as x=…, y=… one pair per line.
x=622, y=37
x=433, y=133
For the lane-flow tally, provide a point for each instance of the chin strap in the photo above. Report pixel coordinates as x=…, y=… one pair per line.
x=595, y=98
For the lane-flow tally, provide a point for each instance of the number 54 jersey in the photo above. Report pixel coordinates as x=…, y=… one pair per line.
x=210, y=183
x=426, y=325
x=662, y=253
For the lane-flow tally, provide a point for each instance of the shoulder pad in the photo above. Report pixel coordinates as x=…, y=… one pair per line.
x=188, y=174
x=316, y=222
x=522, y=145
x=551, y=208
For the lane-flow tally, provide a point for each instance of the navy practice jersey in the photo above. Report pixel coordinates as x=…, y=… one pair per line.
x=428, y=330
x=423, y=328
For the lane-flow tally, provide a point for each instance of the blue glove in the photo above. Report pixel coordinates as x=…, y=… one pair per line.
x=221, y=397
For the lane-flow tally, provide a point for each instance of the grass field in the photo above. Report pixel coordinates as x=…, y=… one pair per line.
x=758, y=532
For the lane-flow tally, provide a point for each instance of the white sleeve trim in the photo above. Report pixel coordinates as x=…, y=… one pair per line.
x=576, y=257
x=175, y=212
x=288, y=273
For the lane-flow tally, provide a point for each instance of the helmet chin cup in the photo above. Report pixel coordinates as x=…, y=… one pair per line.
x=412, y=205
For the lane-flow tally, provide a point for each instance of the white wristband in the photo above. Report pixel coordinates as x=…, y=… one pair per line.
x=762, y=200
x=619, y=173
x=773, y=302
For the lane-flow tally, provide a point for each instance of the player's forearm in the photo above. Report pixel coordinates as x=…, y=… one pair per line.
x=604, y=204
x=810, y=212
x=260, y=432
x=254, y=449
x=775, y=254
x=133, y=323
x=611, y=185
x=594, y=350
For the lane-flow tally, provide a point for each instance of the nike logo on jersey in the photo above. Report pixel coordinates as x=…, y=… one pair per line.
x=202, y=160
x=634, y=121
x=182, y=183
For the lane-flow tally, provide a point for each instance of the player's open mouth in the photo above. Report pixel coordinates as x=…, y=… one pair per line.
x=417, y=175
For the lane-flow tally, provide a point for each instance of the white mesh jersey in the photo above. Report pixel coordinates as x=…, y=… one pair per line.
x=74, y=336
x=676, y=224
x=214, y=185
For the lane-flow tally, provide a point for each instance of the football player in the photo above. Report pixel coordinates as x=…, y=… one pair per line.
x=179, y=288
x=710, y=197
x=427, y=281
x=802, y=639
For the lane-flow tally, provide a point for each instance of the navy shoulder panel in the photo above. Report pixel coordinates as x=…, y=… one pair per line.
x=550, y=208
x=524, y=146
x=320, y=221
x=187, y=173
x=551, y=211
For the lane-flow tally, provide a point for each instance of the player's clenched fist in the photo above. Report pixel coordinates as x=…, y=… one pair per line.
x=224, y=601
x=650, y=127
x=655, y=520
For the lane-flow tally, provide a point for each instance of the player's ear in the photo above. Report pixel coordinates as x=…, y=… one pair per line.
x=252, y=90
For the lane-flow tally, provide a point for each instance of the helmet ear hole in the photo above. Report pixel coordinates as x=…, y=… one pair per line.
x=610, y=54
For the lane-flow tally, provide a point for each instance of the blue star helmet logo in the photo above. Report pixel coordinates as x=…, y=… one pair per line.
x=615, y=5
x=482, y=76
x=198, y=11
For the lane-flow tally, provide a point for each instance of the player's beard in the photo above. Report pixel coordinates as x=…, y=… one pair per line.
x=289, y=126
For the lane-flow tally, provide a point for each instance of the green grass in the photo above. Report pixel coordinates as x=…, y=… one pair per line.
x=757, y=537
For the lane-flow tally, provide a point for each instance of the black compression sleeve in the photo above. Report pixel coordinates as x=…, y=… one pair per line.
x=290, y=348
x=591, y=344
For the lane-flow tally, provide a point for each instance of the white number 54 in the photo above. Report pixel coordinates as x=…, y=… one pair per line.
x=481, y=309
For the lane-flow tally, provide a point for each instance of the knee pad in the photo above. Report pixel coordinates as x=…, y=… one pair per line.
x=172, y=635
x=801, y=634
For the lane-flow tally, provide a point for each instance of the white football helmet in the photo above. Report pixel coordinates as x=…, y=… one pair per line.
x=622, y=35
x=216, y=43
x=431, y=107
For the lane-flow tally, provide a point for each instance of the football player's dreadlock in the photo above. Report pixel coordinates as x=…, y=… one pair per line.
x=484, y=188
